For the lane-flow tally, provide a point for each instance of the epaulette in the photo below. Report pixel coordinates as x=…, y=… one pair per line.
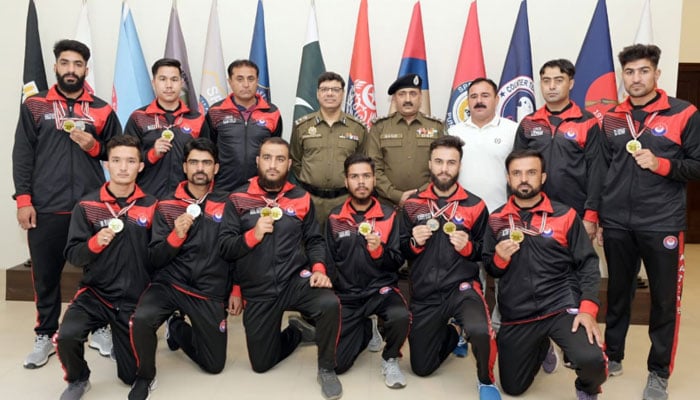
x=378, y=119
x=355, y=119
x=434, y=118
x=304, y=118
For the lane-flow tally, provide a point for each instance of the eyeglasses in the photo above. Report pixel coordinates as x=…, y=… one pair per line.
x=334, y=90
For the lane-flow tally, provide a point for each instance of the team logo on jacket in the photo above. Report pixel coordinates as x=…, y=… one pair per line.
x=571, y=135
x=290, y=211
x=222, y=326
x=537, y=131
x=464, y=286
x=659, y=130
x=305, y=273
x=384, y=290
x=217, y=217
x=260, y=122
x=670, y=242
x=458, y=219
x=186, y=129
x=142, y=220
x=548, y=232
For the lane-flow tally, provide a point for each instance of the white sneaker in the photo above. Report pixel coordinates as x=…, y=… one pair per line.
x=101, y=340
x=43, y=349
x=375, y=344
x=393, y=377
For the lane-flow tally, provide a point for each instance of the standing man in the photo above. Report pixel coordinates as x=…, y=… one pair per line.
x=548, y=283
x=398, y=143
x=442, y=231
x=59, y=142
x=164, y=127
x=270, y=231
x=571, y=142
x=189, y=277
x=363, y=240
x=653, y=142
x=238, y=125
x=320, y=143
x=109, y=234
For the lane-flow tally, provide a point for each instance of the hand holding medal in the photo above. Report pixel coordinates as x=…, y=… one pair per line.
x=105, y=236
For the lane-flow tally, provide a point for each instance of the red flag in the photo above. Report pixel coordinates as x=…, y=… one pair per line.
x=360, y=98
x=470, y=66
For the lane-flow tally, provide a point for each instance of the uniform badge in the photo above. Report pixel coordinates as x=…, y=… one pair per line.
x=571, y=135
x=385, y=290
x=142, y=220
x=659, y=130
x=305, y=273
x=312, y=130
x=548, y=232
x=464, y=286
x=222, y=326
x=217, y=217
x=290, y=211
x=186, y=129
x=670, y=242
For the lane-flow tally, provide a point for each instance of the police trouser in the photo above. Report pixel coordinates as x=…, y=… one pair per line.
x=86, y=313
x=356, y=327
x=46, y=244
x=432, y=339
x=662, y=253
x=204, y=341
x=262, y=321
x=522, y=349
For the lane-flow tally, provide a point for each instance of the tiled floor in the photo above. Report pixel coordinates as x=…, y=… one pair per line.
x=295, y=378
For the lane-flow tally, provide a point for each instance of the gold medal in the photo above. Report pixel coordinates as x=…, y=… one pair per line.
x=194, y=210
x=68, y=125
x=265, y=212
x=168, y=135
x=116, y=225
x=276, y=213
x=365, y=228
x=449, y=227
x=433, y=224
x=633, y=146
x=517, y=235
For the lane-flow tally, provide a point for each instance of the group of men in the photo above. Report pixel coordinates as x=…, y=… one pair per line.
x=201, y=217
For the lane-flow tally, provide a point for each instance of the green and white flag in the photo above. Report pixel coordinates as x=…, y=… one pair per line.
x=311, y=67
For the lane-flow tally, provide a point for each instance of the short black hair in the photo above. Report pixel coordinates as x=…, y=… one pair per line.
x=357, y=158
x=636, y=52
x=448, y=141
x=165, y=62
x=273, y=140
x=331, y=76
x=563, y=64
x=125, y=140
x=484, y=79
x=71, y=45
x=525, y=153
x=242, y=63
x=201, y=144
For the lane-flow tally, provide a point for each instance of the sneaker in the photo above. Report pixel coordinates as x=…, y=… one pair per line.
x=614, y=368
x=551, y=360
x=489, y=392
x=142, y=388
x=75, y=390
x=173, y=345
x=101, y=340
x=462, y=348
x=375, y=344
x=393, y=377
x=43, y=349
x=330, y=385
x=308, y=331
x=656, y=387
x=581, y=395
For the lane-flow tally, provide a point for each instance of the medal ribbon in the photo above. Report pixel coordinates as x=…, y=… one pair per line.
x=437, y=212
x=528, y=231
x=177, y=122
x=197, y=201
x=60, y=113
x=642, y=126
x=122, y=211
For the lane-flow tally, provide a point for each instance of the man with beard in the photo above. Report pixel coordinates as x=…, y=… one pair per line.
x=398, y=143
x=59, y=142
x=271, y=233
x=549, y=282
x=363, y=239
x=442, y=232
x=188, y=276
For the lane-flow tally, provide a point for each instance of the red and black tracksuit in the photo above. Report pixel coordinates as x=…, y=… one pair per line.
x=273, y=273
x=366, y=281
x=114, y=277
x=51, y=173
x=552, y=277
x=238, y=134
x=189, y=277
x=572, y=145
x=445, y=284
x=162, y=174
x=643, y=215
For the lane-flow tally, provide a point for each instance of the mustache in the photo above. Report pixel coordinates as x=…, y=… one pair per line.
x=407, y=104
x=480, y=105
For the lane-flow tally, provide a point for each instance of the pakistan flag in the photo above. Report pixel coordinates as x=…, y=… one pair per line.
x=311, y=67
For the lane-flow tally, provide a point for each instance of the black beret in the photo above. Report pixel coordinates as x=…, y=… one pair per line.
x=406, y=81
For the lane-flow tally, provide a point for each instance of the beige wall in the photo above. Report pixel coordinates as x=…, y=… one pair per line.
x=690, y=32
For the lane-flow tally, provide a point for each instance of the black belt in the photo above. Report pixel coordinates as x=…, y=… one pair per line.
x=324, y=193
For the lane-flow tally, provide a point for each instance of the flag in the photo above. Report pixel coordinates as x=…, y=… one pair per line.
x=413, y=60
x=645, y=35
x=470, y=66
x=594, y=85
x=258, y=53
x=213, y=87
x=34, y=75
x=132, y=86
x=83, y=35
x=360, y=100
x=311, y=67
x=175, y=48
x=517, y=90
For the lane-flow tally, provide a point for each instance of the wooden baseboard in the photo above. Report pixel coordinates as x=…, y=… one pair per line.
x=18, y=283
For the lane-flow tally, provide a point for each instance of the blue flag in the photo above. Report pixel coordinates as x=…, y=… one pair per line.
x=132, y=86
x=258, y=53
x=517, y=90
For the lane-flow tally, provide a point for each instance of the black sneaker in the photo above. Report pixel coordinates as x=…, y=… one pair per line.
x=330, y=385
x=141, y=389
x=308, y=331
